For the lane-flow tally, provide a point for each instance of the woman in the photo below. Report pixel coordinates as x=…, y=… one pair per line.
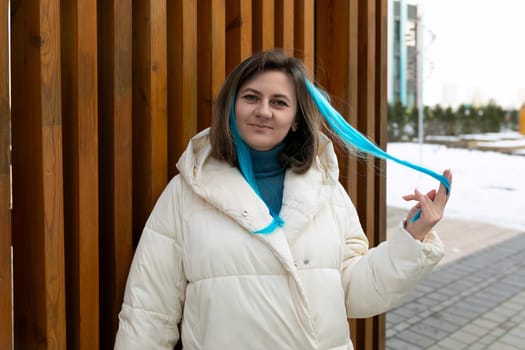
x=255, y=244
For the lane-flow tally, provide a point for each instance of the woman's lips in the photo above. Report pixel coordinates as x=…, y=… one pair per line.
x=260, y=126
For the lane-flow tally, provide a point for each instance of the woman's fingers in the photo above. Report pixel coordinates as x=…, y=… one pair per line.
x=442, y=194
x=411, y=197
x=429, y=208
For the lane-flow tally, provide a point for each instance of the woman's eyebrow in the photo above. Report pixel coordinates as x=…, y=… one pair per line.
x=257, y=92
x=282, y=96
x=248, y=89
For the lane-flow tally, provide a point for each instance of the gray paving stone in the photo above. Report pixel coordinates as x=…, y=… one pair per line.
x=473, y=304
x=448, y=292
x=500, y=346
x=508, y=325
x=463, y=310
x=516, y=281
x=448, y=317
x=450, y=343
x=428, y=301
x=390, y=332
x=436, y=347
x=475, y=330
x=430, y=331
x=445, y=326
x=518, y=318
x=484, y=323
x=402, y=326
x=498, y=332
x=464, y=337
x=495, y=317
x=484, y=299
x=505, y=312
x=439, y=297
x=405, y=312
x=487, y=339
x=519, y=331
x=512, y=340
x=417, y=339
x=393, y=318
x=398, y=344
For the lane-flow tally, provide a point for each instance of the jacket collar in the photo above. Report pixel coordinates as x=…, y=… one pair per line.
x=224, y=187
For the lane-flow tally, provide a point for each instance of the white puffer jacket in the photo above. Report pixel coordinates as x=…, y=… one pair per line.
x=198, y=265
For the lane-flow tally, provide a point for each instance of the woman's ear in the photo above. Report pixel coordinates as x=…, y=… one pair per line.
x=294, y=126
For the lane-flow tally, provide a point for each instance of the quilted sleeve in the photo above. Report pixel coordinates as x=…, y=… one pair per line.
x=375, y=280
x=155, y=288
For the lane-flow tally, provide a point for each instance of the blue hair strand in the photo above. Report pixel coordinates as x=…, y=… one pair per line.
x=354, y=139
x=245, y=164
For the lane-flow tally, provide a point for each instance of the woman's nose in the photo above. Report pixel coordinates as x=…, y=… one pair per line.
x=264, y=110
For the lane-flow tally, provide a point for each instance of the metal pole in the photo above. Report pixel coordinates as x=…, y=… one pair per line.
x=420, y=44
x=403, y=53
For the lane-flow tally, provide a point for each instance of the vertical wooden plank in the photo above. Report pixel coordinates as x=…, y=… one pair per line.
x=364, y=198
x=304, y=32
x=336, y=23
x=334, y=72
x=381, y=114
x=354, y=60
x=115, y=170
x=381, y=98
x=211, y=16
x=6, y=302
x=80, y=126
x=38, y=217
x=238, y=32
x=263, y=24
x=284, y=25
x=368, y=193
x=366, y=120
x=182, y=77
x=149, y=108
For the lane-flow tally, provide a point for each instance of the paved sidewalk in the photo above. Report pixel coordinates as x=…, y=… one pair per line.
x=474, y=300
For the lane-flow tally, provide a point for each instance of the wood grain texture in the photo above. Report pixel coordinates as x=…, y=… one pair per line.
x=304, y=32
x=115, y=162
x=211, y=57
x=381, y=98
x=150, y=123
x=182, y=78
x=263, y=25
x=6, y=302
x=238, y=32
x=333, y=70
x=80, y=134
x=284, y=25
x=38, y=214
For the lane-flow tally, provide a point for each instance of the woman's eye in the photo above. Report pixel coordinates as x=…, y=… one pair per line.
x=250, y=97
x=280, y=103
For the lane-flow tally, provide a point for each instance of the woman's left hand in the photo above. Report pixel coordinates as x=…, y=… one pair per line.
x=431, y=207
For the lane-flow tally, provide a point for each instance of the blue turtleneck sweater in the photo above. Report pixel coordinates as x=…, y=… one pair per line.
x=269, y=176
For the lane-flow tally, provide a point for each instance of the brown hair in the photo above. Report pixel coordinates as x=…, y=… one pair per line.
x=302, y=144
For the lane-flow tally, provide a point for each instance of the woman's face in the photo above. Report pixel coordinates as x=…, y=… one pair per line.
x=265, y=109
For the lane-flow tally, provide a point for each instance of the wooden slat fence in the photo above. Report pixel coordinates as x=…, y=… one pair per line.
x=97, y=102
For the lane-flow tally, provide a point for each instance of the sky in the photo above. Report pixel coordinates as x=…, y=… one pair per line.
x=486, y=186
x=474, y=51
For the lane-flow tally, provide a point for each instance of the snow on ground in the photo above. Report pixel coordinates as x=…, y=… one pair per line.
x=487, y=186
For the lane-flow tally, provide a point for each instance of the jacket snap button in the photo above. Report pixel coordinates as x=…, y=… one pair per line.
x=245, y=213
x=306, y=262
